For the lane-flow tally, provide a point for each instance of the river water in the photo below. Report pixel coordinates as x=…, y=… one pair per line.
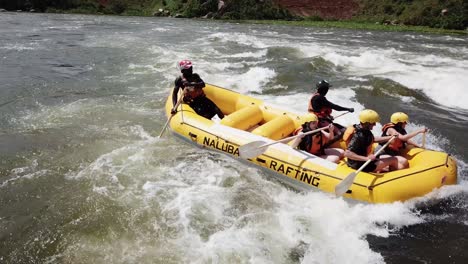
x=84, y=179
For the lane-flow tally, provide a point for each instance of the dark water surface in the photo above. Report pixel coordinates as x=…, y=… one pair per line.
x=83, y=178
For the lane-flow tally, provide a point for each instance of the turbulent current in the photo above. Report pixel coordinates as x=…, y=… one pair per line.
x=84, y=178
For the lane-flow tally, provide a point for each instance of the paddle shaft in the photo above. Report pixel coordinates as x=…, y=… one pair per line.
x=293, y=137
x=301, y=135
x=341, y=115
x=169, y=119
x=376, y=154
x=344, y=185
x=252, y=149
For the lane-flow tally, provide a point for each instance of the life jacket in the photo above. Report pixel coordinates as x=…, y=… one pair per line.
x=324, y=112
x=351, y=131
x=190, y=92
x=312, y=143
x=396, y=144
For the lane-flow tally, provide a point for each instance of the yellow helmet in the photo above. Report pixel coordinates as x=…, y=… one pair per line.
x=399, y=117
x=310, y=117
x=369, y=116
x=313, y=118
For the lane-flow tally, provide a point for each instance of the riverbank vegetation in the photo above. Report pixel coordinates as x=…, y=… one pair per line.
x=371, y=14
x=360, y=25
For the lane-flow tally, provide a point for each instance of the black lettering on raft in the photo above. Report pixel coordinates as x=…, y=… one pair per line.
x=223, y=146
x=303, y=176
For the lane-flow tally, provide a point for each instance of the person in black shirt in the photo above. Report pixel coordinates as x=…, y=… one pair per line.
x=322, y=108
x=359, y=140
x=192, y=86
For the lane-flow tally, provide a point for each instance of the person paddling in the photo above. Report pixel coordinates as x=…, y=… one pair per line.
x=397, y=126
x=314, y=143
x=193, y=95
x=359, y=140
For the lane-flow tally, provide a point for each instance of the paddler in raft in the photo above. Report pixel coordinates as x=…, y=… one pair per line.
x=359, y=140
x=322, y=108
x=397, y=126
x=192, y=86
x=314, y=143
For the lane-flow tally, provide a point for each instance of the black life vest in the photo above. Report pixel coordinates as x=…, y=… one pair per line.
x=365, y=134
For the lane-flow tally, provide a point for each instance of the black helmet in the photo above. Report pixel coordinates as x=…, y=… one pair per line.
x=322, y=86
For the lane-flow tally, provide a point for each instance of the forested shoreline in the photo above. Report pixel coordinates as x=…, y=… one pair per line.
x=443, y=14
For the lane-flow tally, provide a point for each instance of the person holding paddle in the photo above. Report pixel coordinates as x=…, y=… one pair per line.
x=322, y=108
x=314, y=143
x=192, y=86
x=397, y=126
x=359, y=140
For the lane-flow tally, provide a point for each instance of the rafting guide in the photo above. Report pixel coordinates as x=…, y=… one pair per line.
x=192, y=86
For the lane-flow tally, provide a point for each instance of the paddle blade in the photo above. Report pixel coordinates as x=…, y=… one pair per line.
x=344, y=185
x=252, y=149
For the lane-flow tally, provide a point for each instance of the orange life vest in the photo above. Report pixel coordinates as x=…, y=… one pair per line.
x=312, y=143
x=325, y=112
x=396, y=144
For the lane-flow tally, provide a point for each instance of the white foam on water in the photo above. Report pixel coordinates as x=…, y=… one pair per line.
x=427, y=73
x=195, y=206
x=278, y=223
x=24, y=173
x=240, y=38
x=252, y=80
x=23, y=47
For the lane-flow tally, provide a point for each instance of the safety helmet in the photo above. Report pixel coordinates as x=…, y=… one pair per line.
x=369, y=116
x=322, y=87
x=323, y=84
x=399, y=117
x=184, y=65
x=312, y=118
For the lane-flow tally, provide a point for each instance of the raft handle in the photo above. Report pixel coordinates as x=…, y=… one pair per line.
x=447, y=160
x=193, y=136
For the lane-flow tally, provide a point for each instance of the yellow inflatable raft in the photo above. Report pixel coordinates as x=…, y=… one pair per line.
x=248, y=119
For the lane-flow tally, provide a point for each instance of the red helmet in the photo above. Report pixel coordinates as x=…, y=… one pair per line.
x=184, y=65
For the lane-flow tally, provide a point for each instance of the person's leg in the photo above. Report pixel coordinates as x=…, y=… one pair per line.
x=332, y=158
x=392, y=162
x=212, y=109
x=402, y=162
x=334, y=151
x=204, y=107
x=199, y=107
